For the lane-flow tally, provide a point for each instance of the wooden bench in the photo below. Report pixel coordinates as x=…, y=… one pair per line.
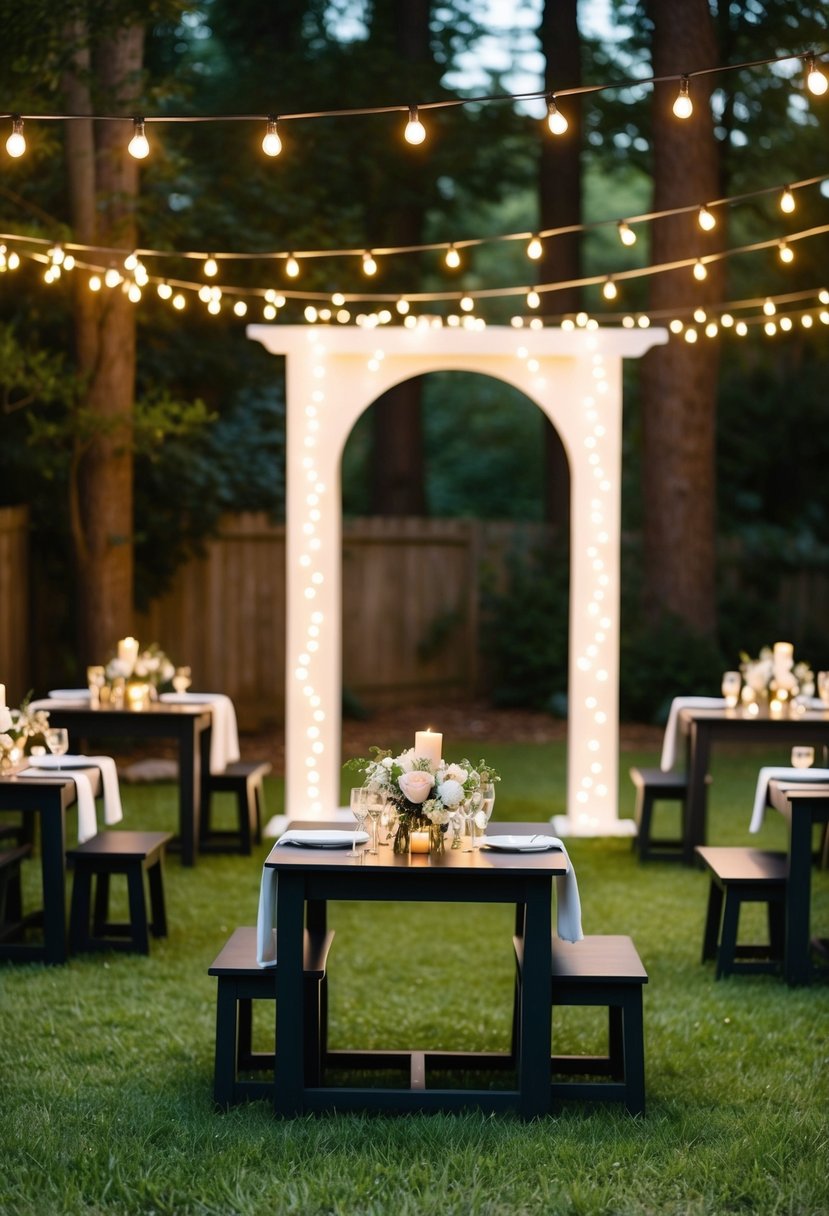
x=242, y=981
x=600, y=970
x=245, y=779
x=132, y=854
x=652, y=786
x=741, y=875
x=11, y=901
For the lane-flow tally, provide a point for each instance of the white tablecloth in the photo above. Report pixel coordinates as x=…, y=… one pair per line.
x=780, y=774
x=67, y=767
x=669, y=742
x=224, y=738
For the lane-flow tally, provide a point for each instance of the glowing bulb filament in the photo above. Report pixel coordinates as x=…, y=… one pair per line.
x=271, y=143
x=706, y=219
x=785, y=252
x=453, y=258
x=816, y=82
x=292, y=267
x=16, y=143
x=535, y=249
x=415, y=132
x=139, y=146
x=683, y=106
x=787, y=202
x=610, y=290
x=626, y=234
x=555, y=119
x=369, y=265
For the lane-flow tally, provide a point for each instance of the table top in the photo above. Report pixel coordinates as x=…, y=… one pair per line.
x=743, y=715
x=13, y=783
x=155, y=709
x=480, y=861
x=783, y=792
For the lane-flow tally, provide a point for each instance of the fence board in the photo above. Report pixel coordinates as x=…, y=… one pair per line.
x=15, y=671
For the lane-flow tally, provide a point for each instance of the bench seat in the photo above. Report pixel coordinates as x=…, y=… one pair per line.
x=743, y=875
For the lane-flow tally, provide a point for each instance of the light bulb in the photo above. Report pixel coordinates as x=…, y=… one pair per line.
x=609, y=291
x=683, y=106
x=240, y=308
x=204, y=294
x=533, y=299
x=700, y=272
x=676, y=326
x=700, y=316
x=644, y=321
x=741, y=329
x=786, y=324
x=164, y=290
x=95, y=282
x=415, y=132
x=769, y=308
x=726, y=320
x=138, y=146
x=467, y=304
x=823, y=294
x=68, y=262
x=815, y=79
x=556, y=121
x=535, y=249
x=402, y=307
x=711, y=329
x=179, y=302
x=211, y=267
x=14, y=260
x=806, y=320
x=770, y=328
x=706, y=219
x=690, y=334
x=626, y=234
x=271, y=143
x=369, y=265
x=292, y=267
x=785, y=252
x=134, y=292
x=453, y=258
x=112, y=278
x=787, y=202
x=16, y=143
x=130, y=261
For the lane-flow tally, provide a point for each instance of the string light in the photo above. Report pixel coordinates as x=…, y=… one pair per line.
x=556, y=121
x=415, y=132
x=453, y=258
x=16, y=143
x=700, y=271
x=179, y=302
x=95, y=283
x=787, y=202
x=240, y=308
x=741, y=329
x=534, y=249
x=467, y=304
x=609, y=290
x=533, y=299
x=816, y=82
x=683, y=106
x=139, y=145
x=402, y=306
x=700, y=316
x=785, y=252
x=769, y=308
x=369, y=264
x=112, y=278
x=706, y=219
x=271, y=143
x=164, y=290
x=626, y=234
x=292, y=267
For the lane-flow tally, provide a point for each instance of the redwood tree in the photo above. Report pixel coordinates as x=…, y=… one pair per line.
x=679, y=380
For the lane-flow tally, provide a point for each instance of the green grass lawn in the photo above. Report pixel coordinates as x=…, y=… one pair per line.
x=106, y=1063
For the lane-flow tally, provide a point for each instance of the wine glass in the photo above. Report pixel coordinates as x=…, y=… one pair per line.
x=95, y=680
x=57, y=740
x=375, y=805
x=181, y=679
x=472, y=808
x=487, y=803
x=803, y=757
x=731, y=684
x=359, y=809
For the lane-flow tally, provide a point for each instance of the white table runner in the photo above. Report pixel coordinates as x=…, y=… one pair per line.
x=67, y=767
x=224, y=736
x=669, y=742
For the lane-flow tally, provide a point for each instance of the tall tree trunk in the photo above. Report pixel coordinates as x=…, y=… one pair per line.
x=559, y=181
x=398, y=480
x=103, y=185
x=679, y=380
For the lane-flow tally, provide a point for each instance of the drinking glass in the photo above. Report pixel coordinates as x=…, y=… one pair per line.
x=472, y=808
x=57, y=740
x=487, y=803
x=823, y=687
x=95, y=680
x=731, y=684
x=181, y=679
x=375, y=805
x=359, y=809
x=803, y=757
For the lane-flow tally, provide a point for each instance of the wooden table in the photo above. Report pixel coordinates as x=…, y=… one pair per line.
x=703, y=727
x=803, y=805
x=49, y=797
x=189, y=726
x=308, y=878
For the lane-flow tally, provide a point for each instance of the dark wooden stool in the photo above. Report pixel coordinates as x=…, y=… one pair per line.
x=245, y=780
x=601, y=970
x=11, y=900
x=740, y=875
x=129, y=853
x=652, y=786
x=242, y=981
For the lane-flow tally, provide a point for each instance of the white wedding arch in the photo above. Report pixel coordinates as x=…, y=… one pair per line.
x=332, y=376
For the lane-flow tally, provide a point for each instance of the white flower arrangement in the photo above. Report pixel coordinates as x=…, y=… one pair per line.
x=775, y=673
x=151, y=666
x=18, y=729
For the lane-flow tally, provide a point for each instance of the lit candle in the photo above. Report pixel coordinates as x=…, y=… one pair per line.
x=783, y=656
x=429, y=745
x=137, y=695
x=2, y=696
x=128, y=651
x=420, y=842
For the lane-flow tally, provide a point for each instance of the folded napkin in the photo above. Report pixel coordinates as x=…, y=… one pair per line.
x=113, y=812
x=779, y=774
x=87, y=821
x=669, y=742
x=317, y=837
x=568, y=903
x=224, y=737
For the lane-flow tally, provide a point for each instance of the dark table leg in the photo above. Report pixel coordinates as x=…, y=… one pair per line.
x=797, y=967
x=189, y=792
x=288, y=1064
x=53, y=851
x=535, y=1008
x=698, y=753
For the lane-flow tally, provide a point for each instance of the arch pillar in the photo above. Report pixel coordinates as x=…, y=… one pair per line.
x=332, y=376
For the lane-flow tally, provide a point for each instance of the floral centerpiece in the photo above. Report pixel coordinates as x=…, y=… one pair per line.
x=774, y=673
x=149, y=666
x=424, y=791
x=20, y=730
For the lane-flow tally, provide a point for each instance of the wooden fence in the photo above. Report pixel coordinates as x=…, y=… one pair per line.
x=14, y=602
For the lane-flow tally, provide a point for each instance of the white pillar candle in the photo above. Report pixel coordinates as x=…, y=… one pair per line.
x=128, y=651
x=783, y=656
x=2, y=696
x=420, y=842
x=429, y=745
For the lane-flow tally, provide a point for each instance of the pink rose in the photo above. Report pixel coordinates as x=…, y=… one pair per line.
x=416, y=786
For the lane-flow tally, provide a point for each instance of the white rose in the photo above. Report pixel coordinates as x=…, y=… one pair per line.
x=454, y=772
x=416, y=785
x=406, y=760
x=450, y=793
x=387, y=762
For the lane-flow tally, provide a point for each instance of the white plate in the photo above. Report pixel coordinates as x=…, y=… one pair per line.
x=51, y=761
x=69, y=694
x=322, y=838
x=519, y=844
